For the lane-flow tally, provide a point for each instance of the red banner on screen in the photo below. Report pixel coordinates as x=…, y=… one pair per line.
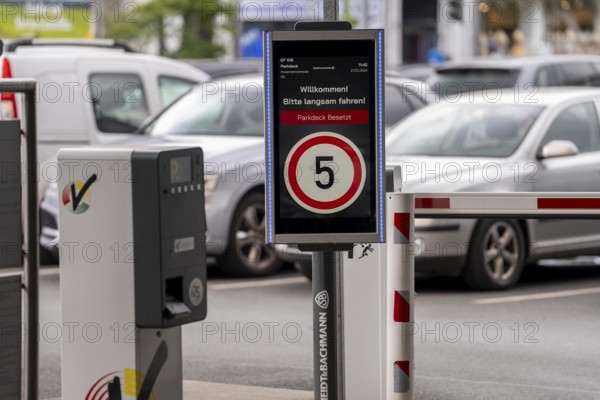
x=301, y=117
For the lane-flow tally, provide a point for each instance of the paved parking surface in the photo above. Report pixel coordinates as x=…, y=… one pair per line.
x=538, y=341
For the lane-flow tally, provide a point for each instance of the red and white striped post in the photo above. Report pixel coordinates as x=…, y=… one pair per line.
x=399, y=297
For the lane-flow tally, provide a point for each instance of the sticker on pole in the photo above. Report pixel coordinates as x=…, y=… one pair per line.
x=322, y=299
x=325, y=172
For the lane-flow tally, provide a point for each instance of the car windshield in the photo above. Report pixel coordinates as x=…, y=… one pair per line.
x=449, y=81
x=217, y=108
x=463, y=130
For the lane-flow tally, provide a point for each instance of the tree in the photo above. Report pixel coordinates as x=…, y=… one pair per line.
x=200, y=19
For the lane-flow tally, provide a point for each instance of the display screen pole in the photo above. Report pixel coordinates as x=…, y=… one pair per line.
x=327, y=291
x=324, y=143
x=327, y=323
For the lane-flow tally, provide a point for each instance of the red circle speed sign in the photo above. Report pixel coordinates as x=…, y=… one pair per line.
x=325, y=172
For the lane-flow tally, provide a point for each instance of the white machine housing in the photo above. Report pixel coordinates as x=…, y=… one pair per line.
x=125, y=252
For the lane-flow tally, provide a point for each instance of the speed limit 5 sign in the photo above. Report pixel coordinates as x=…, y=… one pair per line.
x=335, y=171
x=324, y=136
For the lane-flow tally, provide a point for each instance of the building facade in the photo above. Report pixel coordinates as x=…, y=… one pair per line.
x=467, y=28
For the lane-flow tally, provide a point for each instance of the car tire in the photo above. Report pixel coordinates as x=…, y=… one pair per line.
x=48, y=257
x=304, y=267
x=247, y=253
x=496, y=255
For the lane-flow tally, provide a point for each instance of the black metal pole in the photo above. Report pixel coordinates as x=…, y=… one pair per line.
x=331, y=10
x=33, y=261
x=327, y=325
x=327, y=305
x=31, y=281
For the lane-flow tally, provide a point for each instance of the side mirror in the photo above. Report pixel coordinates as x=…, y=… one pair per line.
x=558, y=148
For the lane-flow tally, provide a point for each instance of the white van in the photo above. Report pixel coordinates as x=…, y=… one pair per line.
x=90, y=91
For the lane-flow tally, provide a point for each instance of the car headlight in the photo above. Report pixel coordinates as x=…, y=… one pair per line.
x=210, y=183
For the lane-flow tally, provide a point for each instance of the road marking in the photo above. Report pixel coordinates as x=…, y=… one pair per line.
x=538, y=296
x=257, y=283
x=504, y=383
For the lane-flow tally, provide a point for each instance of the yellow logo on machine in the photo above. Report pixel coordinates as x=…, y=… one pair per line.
x=136, y=384
x=109, y=387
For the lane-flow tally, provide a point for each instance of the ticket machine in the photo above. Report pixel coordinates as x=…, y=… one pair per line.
x=132, y=268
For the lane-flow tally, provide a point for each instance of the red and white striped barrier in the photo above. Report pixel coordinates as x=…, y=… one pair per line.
x=517, y=205
x=402, y=209
x=385, y=280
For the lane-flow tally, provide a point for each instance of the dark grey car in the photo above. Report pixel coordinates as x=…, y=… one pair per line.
x=521, y=73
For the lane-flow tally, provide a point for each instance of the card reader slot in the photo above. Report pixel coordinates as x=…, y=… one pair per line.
x=175, y=307
x=176, y=310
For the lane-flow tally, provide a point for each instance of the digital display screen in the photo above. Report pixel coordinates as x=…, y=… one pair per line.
x=325, y=122
x=181, y=169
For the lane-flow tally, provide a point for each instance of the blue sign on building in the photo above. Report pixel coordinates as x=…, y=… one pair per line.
x=251, y=43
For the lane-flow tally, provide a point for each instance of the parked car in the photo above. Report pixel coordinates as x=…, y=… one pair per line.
x=221, y=69
x=520, y=73
x=225, y=118
x=551, y=144
x=419, y=72
x=90, y=92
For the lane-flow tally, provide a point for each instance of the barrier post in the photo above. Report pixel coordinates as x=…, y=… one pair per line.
x=364, y=287
x=365, y=272
x=399, y=298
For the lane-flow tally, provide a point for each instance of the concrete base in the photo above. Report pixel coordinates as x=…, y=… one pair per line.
x=195, y=390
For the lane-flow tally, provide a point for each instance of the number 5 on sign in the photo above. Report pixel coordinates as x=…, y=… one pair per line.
x=329, y=179
x=339, y=172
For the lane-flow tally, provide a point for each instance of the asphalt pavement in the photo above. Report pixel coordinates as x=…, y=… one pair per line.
x=537, y=341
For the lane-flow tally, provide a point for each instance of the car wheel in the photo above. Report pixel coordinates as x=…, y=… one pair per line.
x=247, y=252
x=496, y=255
x=48, y=257
x=304, y=267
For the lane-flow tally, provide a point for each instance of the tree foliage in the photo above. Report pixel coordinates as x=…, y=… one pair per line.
x=149, y=23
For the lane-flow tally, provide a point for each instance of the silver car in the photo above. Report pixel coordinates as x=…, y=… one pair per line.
x=226, y=119
x=499, y=142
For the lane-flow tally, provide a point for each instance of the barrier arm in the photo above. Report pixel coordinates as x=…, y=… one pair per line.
x=398, y=298
x=508, y=205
